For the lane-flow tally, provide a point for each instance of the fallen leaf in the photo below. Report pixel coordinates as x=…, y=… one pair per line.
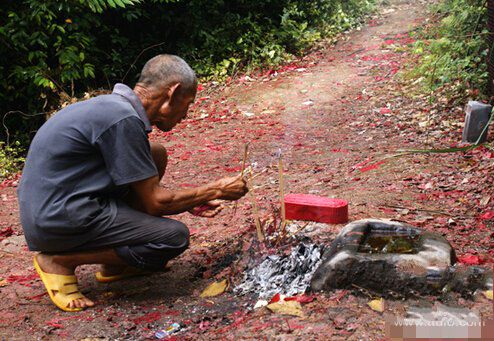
x=293, y=308
x=377, y=305
x=3, y=283
x=215, y=289
x=268, y=112
x=485, y=200
x=488, y=294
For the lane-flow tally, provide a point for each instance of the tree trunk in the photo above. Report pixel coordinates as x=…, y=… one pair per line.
x=490, y=42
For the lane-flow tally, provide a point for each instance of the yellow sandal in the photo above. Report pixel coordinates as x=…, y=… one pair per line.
x=126, y=273
x=62, y=289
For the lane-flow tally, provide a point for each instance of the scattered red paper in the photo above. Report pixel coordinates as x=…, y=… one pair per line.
x=293, y=325
x=276, y=298
x=54, y=325
x=371, y=167
x=301, y=298
x=148, y=318
x=204, y=325
x=37, y=297
x=487, y=215
x=23, y=280
x=6, y=232
x=470, y=259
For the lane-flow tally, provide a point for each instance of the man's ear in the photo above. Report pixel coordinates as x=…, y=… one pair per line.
x=174, y=91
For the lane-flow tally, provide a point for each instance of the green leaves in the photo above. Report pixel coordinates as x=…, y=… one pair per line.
x=98, y=6
x=453, y=52
x=53, y=48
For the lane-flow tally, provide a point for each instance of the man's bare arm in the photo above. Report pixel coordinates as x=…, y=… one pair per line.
x=158, y=201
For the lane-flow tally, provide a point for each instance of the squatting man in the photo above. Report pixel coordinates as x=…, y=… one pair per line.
x=90, y=190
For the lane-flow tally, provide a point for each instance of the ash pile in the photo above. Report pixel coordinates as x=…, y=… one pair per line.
x=288, y=275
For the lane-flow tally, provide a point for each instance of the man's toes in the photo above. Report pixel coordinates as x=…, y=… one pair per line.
x=88, y=302
x=76, y=303
x=72, y=304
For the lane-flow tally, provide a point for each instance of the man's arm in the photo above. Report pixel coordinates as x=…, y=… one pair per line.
x=158, y=201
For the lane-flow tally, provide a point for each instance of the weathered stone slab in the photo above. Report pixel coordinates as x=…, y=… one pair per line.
x=386, y=256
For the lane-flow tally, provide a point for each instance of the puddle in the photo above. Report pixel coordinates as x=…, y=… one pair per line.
x=386, y=243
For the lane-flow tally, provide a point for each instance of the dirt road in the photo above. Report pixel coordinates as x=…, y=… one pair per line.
x=333, y=115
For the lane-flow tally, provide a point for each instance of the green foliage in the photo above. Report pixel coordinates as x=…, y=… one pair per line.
x=454, y=52
x=10, y=159
x=54, y=50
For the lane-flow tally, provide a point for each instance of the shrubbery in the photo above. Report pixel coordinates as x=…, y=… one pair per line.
x=453, y=54
x=54, y=50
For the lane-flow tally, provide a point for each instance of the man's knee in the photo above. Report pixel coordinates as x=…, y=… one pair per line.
x=160, y=157
x=155, y=255
x=182, y=235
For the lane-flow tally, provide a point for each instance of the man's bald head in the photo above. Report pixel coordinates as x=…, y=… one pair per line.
x=166, y=70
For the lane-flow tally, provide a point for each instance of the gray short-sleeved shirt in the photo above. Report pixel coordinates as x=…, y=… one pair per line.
x=77, y=163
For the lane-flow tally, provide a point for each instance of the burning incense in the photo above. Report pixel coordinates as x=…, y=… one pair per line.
x=282, y=197
x=257, y=220
x=246, y=152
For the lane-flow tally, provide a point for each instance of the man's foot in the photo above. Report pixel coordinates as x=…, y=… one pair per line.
x=112, y=270
x=48, y=266
x=112, y=273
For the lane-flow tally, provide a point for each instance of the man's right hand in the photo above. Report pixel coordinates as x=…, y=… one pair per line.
x=232, y=188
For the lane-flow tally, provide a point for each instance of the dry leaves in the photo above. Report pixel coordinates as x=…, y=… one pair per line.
x=377, y=305
x=215, y=289
x=293, y=308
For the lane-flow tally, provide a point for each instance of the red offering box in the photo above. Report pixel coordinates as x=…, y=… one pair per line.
x=316, y=208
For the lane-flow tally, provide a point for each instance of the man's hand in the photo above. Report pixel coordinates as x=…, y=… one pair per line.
x=209, y=209
x=152, y=199
x=232, y=188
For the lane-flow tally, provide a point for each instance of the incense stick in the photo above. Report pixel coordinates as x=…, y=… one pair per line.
x=246, y=152
x=282, y=198
x=255, y=210
x=300, y=229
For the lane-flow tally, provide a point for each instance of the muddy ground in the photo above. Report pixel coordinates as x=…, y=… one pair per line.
x=335, y=115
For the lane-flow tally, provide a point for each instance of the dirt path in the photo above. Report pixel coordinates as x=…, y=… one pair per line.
x=333, y=115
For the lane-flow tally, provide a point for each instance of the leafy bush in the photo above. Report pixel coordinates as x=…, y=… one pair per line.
x=10, y=159
x=54, y=50
x=454, y=53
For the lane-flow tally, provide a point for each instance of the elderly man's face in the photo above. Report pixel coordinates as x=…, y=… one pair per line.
x=172, y=109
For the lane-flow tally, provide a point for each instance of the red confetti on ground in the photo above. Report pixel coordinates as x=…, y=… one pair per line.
x=148, y=318
x=371, y=167
x=54, y=325
x=37, y=297
x=487, y=215
x=6, y=232
x=301, y=298
x=469, y=259
x=22, y=280
x=276, y=298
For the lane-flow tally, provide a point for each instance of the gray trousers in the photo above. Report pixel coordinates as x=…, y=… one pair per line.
x=141, y=240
